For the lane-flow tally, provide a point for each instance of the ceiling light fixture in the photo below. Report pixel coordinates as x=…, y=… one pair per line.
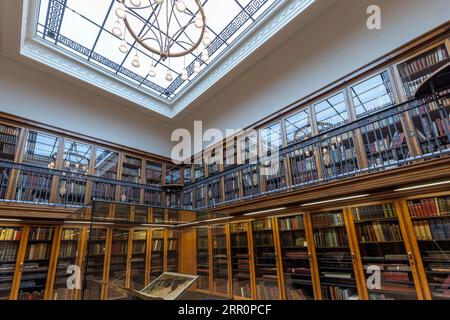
x=264, y=211
x=335, y=200
x=423, y=186
x=168, y=28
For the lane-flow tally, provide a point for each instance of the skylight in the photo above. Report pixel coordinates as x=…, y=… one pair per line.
x=83, y=27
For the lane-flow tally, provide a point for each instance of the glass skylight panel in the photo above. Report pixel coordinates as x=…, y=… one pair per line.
x=373, y=94
x=331, y=112
x=84, y=28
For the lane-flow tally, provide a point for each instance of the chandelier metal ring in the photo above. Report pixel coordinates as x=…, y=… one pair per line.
x=164, y=40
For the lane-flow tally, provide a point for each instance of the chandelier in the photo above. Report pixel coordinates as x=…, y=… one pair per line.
x=165, y=28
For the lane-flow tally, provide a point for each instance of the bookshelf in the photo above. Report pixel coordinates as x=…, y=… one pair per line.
x=303, y=165
x=265, y=260
x=138, y=259
x=141, y=214
x=131, y=172
x=220, y=255
x=295, y=257
x=10, y=237
x=36, y=264
x=240, y=261
x=203, y=259
x=381, y=244
x=337, y=278
x=118, y=259
x=231, y=186
x=94, y=264
x=153, y=173
x=158, y=215
x=157, y=254
x=106, y=166
x=9, y=138
x=414, y=71
x=68, y=255
x=172, y=253
x=431, y=223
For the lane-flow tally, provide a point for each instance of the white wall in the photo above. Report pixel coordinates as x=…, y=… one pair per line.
x=327, y=49
x=35, y=95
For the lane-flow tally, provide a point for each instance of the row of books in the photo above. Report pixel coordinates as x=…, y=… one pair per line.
x=68, y=249
x=423, y=61
x=172, y=244
x=328, y=219
x=331, y=238
x=158, y=245
x=96, y=249
x=265, y=224
x=295, y=223
x=267, y=292
x=35, y=295
x=10, y=234
x=376, y=232
x=296, y=294
x=290, y=240
x=384, y=211
x=70, y=234
x=263, y=239
x=238, y=227
x=432, y=230
x=9, y=130
x=220, y=242
x=139, y=248
x=242, y=289
x=38, y=251
x=8, y=252
x=429, y=207
x=9, y=149
x=41, y=234
x=10, y=139
x=338, y=293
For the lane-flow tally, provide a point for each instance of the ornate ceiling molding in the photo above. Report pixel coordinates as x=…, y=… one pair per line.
x=64, y=61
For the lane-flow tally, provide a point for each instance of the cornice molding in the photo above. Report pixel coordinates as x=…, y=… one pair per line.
x=68, y=63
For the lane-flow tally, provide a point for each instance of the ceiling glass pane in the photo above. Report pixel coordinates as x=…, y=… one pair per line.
x=298, y=127
x=84, y=28
x=331, y=112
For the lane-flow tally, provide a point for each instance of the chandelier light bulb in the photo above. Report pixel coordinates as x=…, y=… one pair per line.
x=205, y=55
x=123, y=47
x=152, y=72
x=197, y=66
x=206, y=39
x=136, y=63
x=184, y=75
x=169, y=76
x=120, y=11
x=198, y=22
x=159, y=1
x=180, y=5
x=117, y=29
x=136, y=3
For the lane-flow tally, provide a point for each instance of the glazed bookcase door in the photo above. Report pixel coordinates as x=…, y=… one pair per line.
x=157, y=254
x=431, y=223
x=138, y=259
x=240, y=261
x=36, y=263
x=220, y=260
x=118, y=261
x=294, y=252
x=265, y=259
x=383, y=253
x=334, y=258
x=203, y=259
x=172, y=255
x=10, y=237
x=67, y=256
x=95, y=264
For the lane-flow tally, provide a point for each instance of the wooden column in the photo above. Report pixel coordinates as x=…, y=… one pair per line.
x=315, y=274
x=279, y=258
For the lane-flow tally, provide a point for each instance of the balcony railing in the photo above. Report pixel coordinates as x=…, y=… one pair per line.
x=390, y=138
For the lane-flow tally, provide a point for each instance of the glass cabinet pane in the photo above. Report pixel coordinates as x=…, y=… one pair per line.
x=298, y=127
x=337, y=278
x=138, y=259
x=265, y=260
x=172, y=174
x=331, y=112
x=416, y=70
x=77, y=157
x=220, y=259
x=203, y=258
x=118, y=261
x=9, y=137
x=36, y=264
x=95, y=260
x=153, y=173
x=157, y=254
x=106, y=165
x=67, y=256
x=172, y=251
x=271, y=139
x=131, y=172
x=240, y=260
x=373, y=94
x=9, y=246
x=382, y=247
x=431, y=223
x=294, y=252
